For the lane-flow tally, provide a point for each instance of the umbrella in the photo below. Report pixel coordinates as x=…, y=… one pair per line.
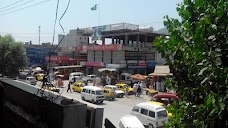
x=138, y=77
x=60, y=75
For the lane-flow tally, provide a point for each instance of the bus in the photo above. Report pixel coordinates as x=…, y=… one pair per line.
x=66, y=70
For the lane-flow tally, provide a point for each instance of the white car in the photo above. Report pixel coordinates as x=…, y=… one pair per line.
x=31, y=80
x=119, y=93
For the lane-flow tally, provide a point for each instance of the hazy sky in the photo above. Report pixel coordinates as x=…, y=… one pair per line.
x=23, y=24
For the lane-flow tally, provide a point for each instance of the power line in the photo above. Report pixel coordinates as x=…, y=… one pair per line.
x=16, y=6
x=11, y=4
x=26, y=7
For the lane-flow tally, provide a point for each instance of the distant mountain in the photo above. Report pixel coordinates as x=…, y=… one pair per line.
x=162, y=31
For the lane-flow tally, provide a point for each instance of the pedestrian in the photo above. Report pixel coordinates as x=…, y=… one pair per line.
x=138, y=91
x=127, y=88
x=69, y=87
x=74, y=79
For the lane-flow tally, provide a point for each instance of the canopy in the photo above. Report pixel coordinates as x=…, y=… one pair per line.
x=60, y=75
x=162, y=70
x=138, y=77
x=107, y=69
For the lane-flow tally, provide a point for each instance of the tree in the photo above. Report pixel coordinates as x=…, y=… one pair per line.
x=12, y=56
x=197, y=52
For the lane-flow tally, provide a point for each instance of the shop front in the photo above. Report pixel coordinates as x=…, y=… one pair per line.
x=92, y=67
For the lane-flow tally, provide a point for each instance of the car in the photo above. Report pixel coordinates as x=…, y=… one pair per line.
x=39, y=76
x=50, y=87
x=31, y=80
x=109, y=93
x=166, y=98
x=130, y=121
x=122, y=86
x=78, y=86
x=93, y=94
x=119, y=93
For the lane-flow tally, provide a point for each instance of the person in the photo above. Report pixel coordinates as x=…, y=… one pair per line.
x=135, y=86
x=127, y=88
x=69, y=89
x=158, y=86
x=74, y=80
x=138, y=91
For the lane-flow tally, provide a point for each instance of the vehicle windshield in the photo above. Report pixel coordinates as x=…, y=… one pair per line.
x=115, y=88
x=162, y=114
x=99, y=92
x=82, y=85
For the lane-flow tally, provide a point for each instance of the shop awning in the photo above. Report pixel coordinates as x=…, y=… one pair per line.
x=107, y=69
x=161, y=71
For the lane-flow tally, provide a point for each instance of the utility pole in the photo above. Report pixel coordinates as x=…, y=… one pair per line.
x=39, y=35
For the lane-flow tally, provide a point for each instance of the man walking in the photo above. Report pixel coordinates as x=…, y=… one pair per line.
x=138, y=91
x=69, y=87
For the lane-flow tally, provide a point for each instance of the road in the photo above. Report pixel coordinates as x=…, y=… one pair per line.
x=113, y=110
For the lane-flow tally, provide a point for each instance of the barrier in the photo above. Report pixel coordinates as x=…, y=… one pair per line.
x=53, y=110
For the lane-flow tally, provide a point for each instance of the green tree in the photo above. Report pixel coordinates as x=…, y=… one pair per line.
x=197, y=52
x=12, y=56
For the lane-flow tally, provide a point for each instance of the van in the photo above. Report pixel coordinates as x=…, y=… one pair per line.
x=93, y=94
x=130, y=121
x=77, y=75
x=151, y=115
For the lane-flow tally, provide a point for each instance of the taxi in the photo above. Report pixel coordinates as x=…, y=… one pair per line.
x=39, y=76
x=51, y=87
x=160, y=104
x=78, y=86
x=122, y=86
x=109, y=94
x=151, y=92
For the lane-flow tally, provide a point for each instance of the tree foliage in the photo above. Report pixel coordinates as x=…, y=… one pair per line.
x=197, y=51
x=12, y=56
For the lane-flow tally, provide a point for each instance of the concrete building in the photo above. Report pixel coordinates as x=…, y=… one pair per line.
x=124, y=46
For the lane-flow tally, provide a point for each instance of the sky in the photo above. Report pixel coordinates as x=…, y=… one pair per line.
x=23, y=24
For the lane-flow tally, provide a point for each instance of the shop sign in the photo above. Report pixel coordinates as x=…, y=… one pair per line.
x=93, y=64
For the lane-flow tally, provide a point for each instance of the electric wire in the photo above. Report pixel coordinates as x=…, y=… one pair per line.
x=17, y=6
x=11, y=4
x=49, y=61
x=25, y=7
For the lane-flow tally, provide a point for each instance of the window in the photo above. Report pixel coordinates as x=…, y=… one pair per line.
x=83, y=90
x=135, y=109
x=162, y=114
x=93, y=92
x=87, y=91
x=144, y=111
x=152, y=114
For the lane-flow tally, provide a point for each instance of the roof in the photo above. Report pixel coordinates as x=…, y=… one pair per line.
x=166, y=95
x=113, y=86
x=76, y=73
x=149, y=106
x=92, y=88
x=131, y=121
x=72, y=66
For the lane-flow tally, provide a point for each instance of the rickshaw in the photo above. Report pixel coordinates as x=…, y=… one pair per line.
x=151, y=92
x=39, y=76
x=59, y=81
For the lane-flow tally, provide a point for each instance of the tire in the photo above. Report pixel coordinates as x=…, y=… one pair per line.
x=83, y=98
x=150, y=126
x=101, y=101
x=121, y=96
x=73, y=89
x=93, y=101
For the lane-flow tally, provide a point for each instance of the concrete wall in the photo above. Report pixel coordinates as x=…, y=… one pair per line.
x=50, y=109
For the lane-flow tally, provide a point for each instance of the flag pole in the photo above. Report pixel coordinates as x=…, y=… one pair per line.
x=98, y=13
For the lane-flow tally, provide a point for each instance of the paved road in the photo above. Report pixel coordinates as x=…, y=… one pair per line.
x=113, y=110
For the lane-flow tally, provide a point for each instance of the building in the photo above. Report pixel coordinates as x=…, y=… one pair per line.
x=124, y=46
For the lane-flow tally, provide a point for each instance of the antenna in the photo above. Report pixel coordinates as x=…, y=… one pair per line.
x=39, y=35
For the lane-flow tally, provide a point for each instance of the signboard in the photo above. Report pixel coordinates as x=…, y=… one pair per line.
x=93, y=64
x=110, y=47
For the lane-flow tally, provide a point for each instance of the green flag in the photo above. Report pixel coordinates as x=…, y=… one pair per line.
x=94, y=7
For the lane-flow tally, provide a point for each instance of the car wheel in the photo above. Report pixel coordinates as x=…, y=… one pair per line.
x=93, y=101
x=122, y=96
x=101, y=101
x=150, y=126
x=73, y=89
x=83, y=98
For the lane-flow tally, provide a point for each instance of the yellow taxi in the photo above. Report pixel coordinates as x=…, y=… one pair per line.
x=109, y=94
x=50, y=87
x=78, y=86
x=122, y=86
x=160, y=104
x=39, y=76
x=151, y=92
